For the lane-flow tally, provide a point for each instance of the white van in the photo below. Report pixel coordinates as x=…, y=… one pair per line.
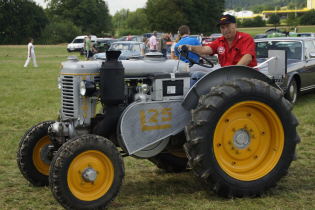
x=78, y=43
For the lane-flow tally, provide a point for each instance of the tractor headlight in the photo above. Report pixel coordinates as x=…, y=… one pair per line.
x=143, y=88
x=87, y=88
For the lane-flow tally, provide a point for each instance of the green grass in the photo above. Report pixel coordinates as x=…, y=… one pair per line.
x=261, y=30
x=30, y=95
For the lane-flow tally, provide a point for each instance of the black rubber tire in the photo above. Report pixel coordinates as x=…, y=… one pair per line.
x=170, y=163
x=25, y=154
x=173, y=159
x=200, y=136
x=61, y=163
x=292, y=96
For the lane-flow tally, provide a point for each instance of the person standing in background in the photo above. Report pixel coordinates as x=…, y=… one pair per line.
x=163, y=42
x=88, y=47
x=30, y=54
x=153, y=42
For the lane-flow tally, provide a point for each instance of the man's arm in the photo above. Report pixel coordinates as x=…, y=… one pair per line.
x=29, y=50
x=201, y=50
x=245, y=60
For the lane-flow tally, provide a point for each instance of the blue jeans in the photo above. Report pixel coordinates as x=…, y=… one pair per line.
x=195, y=76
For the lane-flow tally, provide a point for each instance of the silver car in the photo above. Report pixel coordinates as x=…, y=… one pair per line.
x=129, y=49
x=300, y=51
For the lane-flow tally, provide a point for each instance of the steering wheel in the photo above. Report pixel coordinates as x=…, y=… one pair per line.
x=184, y=52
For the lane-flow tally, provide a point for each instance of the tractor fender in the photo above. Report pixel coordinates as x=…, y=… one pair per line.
x=218, y=77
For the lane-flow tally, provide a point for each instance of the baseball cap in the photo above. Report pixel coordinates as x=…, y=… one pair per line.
x=226, y=19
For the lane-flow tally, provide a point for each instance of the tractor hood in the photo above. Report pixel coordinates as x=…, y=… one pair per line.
x=133, y=68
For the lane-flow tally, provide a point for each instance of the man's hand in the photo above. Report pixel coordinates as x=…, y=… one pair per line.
x=184, y=48
x=245, y=60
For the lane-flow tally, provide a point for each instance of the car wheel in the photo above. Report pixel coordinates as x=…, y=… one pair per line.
x=292, y=92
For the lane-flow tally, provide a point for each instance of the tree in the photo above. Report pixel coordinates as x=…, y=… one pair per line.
x=292, y=20
x=308, y=18
x=164, y=15
x=274, y=20
x=59, y=31
x=168, y=15
x=19, y=20
x=92, y=16
x=253, y=22
x=137, y=21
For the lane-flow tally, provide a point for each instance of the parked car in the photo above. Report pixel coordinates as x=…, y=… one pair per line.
x=135, y=38
x=260, y=36
x=300, y=76
x=129, y=49
x=206, y=40
x=103, y=44
x=215, y=36
x=306, y=34
x=78, y=43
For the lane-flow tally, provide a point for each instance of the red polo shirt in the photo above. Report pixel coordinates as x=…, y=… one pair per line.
x=242, y=44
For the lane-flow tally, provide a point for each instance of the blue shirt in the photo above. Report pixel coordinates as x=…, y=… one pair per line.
x=188, y=41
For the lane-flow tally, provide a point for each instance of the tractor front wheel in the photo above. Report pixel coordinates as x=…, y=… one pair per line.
x=242, y=138
x=86, y=173
x=32, y=155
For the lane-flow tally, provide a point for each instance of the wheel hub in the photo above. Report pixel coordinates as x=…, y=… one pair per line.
x=241, y=139
x=292, y=91
x=44, y=154
x=89, y=175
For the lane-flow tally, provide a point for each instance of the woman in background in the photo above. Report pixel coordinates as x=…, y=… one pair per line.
x=30, y=54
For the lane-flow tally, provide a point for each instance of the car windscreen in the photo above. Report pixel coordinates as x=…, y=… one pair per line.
x=78, y=41
x=125, y=47
x=292, y=48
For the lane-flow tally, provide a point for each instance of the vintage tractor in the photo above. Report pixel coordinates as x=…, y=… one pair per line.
x=233, y=129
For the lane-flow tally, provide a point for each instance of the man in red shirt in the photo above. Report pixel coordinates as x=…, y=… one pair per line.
x=233, y=48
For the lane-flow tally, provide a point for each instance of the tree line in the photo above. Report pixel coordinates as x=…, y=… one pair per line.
x=62, y=20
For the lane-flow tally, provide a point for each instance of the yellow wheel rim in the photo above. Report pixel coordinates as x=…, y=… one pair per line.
x=101, y=165
x=248, y=140
x=39, y=163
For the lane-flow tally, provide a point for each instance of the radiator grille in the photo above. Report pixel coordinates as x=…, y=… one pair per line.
x=67, y=96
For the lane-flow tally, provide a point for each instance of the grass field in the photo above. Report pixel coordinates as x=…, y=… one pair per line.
x=30, y=95
x=261, y=30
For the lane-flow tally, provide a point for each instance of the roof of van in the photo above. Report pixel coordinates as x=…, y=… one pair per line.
x=83, y=36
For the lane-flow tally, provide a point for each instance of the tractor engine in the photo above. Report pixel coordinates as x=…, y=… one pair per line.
x=85, y=85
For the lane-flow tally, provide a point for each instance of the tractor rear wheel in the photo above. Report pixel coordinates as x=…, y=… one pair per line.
x=32, y=154
x=174, y=159
x=242, y=138
x=170, y=162
x=86, y=173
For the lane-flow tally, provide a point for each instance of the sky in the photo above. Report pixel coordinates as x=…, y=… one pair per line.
x=115, y=5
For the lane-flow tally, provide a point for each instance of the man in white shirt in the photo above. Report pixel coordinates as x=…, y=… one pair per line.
x=153, y=42
x=30, y=54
